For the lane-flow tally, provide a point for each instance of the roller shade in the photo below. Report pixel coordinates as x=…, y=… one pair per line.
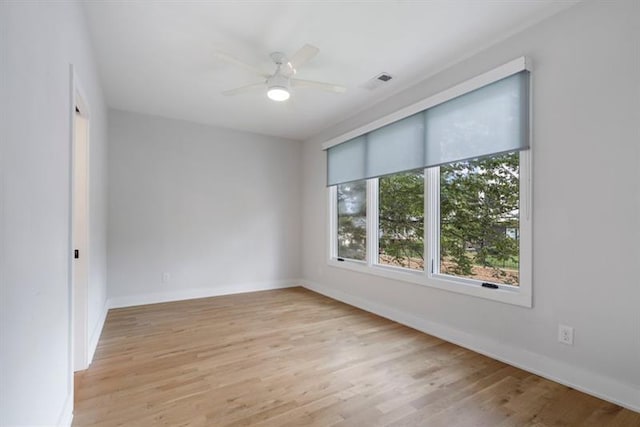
x=488, y=120
x=398, y=146
x=346, y=162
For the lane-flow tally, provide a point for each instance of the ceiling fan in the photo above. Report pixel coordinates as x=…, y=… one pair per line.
x=279, y=84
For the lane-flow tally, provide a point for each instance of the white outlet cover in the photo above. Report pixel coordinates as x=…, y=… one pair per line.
x=565, y=334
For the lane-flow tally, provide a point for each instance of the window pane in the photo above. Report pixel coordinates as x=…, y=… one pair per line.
x=352, y=220
x=401, y=220
x=479, y=219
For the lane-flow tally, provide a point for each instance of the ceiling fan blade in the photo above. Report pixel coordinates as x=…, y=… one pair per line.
x=244, y=89
x=328, y=87
x=235, y=61
x=303, y=55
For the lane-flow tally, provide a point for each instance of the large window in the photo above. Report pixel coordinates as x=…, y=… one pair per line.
x=439, y=193
x=458, y=224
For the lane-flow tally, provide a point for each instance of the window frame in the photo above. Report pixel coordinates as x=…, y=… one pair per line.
x=376, y=229
x=517, y=295
x=333, y=227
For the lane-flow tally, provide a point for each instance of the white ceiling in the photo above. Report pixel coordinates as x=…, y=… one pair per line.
x=157, y=57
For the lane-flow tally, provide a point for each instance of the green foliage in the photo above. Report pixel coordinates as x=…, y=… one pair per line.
x=479, y=201
x=401, y=220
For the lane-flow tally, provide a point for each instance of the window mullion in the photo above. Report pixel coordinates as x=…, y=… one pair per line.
x=332, y=213
x=432, y=228
x=372, y=221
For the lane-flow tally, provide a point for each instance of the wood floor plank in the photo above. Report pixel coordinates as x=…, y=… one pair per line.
x=294, y=358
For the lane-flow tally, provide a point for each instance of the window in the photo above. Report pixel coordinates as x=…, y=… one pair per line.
x=479, y=219
x=401, y=220
x=352, y=220
x=440, y=195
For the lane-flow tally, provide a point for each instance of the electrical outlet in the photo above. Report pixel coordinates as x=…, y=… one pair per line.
x=166, y=277
x=565, y=334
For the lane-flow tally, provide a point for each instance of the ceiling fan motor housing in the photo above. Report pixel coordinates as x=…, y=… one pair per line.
x=278, y=80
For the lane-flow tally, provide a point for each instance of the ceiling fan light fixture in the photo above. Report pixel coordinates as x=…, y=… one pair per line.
x=278, y=93
x=279, y=83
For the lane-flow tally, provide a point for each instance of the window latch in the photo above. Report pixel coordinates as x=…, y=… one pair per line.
x=490, y=285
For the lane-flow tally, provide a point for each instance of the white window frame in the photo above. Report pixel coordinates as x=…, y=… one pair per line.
x=517, y=295
x=521, y=295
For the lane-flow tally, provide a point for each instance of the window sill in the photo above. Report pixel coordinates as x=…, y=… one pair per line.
x=520, y=296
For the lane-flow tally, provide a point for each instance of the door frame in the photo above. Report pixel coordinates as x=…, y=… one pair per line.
x=78, y=99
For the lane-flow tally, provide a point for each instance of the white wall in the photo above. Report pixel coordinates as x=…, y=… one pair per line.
x=38, y=41
x=218, y=210
x=586, y=215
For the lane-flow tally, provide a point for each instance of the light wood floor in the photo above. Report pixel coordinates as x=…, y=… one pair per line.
x=295, y=358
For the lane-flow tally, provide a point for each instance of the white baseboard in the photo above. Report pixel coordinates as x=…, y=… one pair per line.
x=625, y=395
x=185, y=294
x=66, y=417
x=97, y=330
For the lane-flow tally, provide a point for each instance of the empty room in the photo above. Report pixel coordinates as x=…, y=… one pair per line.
x=320, y=213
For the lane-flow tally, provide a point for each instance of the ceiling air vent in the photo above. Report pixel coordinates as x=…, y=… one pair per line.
x=377, y=81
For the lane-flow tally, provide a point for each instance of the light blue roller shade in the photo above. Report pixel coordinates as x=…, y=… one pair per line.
x=490, y=120
x=346, y=162
x=396, y=147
